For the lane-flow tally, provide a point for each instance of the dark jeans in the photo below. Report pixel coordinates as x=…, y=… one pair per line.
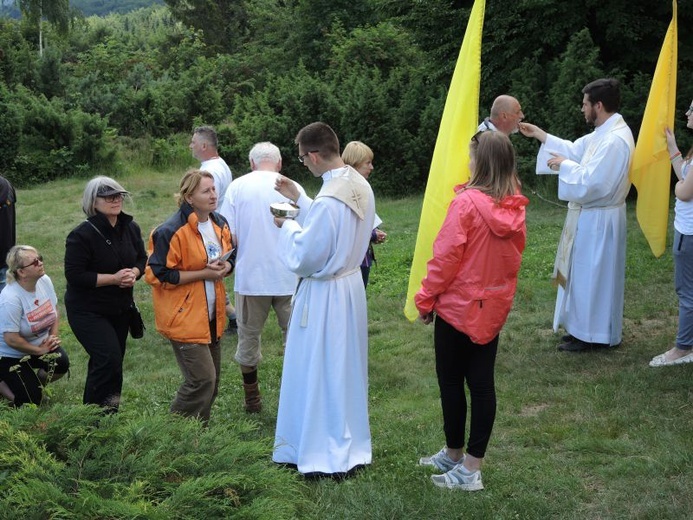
x=24, y=381
x=458, y=359
x=103, y=337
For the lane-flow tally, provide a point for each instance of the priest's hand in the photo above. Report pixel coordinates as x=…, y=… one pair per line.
x=279, y=221
x=530, y=130
x=555, y=162
x=286, y=187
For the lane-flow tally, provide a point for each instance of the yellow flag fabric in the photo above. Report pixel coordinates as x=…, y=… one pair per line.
x=651, y=169
x=450, y=162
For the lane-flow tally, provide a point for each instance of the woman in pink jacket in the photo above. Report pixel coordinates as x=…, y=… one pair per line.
x=469, y=287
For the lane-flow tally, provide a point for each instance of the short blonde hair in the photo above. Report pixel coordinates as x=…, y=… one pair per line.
x=16, y=258
x=189, y=183
x=357, y=153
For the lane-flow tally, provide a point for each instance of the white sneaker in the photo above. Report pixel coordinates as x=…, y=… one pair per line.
x=440, y=460
x=662, y=361
x=459, y=478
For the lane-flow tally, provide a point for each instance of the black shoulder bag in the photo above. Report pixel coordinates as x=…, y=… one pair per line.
x=136, y=322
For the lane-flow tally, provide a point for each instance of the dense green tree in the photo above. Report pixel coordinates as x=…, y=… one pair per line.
x=224, y=24
x=56, y=12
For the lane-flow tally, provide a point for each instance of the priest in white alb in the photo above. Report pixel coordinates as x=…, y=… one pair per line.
x=591, y=260
x=322, y=421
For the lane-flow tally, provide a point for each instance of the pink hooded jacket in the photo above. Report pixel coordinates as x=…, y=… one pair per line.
x=472, y=277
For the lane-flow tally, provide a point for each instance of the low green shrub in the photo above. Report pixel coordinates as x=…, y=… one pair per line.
x=69, y=461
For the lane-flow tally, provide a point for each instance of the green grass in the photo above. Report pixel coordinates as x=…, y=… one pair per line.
x=596, y=435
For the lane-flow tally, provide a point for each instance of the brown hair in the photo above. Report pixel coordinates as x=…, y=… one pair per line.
x=495, y=170
x=318, y=137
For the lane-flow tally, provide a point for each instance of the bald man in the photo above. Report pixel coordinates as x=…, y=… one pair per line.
x=506, y=114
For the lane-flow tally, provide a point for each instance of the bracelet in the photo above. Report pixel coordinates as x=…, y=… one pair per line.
x=677, y=154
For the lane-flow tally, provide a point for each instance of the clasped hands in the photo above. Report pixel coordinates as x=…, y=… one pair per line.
x=126, y=277
x=218, y=269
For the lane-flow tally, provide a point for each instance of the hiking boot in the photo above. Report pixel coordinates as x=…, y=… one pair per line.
x=459, y=478
x=253, y=402
x=440, y=460
x=232, y=327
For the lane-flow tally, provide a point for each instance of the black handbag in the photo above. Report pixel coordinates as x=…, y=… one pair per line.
x=136, y=322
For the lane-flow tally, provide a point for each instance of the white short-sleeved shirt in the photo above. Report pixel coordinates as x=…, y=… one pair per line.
x=31, y=314
x=221, y=173
x=259, y=268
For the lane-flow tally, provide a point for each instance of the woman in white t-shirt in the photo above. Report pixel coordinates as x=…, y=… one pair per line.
x=30, y=351
x=682, y=249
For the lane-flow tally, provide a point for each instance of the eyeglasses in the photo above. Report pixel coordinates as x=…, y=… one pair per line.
x=302, y=158
x=475, y=137
x=112, y=198
x=35, y=263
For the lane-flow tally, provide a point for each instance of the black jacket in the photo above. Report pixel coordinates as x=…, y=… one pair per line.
x=87, y=254
x=8, y=198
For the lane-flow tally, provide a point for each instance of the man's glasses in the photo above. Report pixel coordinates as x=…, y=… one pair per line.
x=112, y=198
x=35, y=263
x=302, y=158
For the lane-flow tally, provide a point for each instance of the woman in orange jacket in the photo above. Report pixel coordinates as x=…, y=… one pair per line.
x=469, y=286
x=186, y=268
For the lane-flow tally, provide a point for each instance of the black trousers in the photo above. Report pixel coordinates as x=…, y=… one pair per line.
x=22, y=378
x=460, y=360
x=103, y=337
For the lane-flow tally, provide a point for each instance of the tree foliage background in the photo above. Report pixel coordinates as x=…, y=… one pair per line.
x=376, y=70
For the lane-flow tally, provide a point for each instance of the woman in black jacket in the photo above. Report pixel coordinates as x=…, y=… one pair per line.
x=104, y=257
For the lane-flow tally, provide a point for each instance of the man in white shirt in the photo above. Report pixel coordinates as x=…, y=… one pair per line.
x=261, y=281
x=204, y=146
x=322, y=421
x=591, y=260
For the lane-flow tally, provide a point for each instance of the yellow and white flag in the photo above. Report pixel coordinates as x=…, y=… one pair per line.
x=650, y=172
x=449, y=165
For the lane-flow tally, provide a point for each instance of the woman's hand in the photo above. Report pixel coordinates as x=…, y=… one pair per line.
x=218, y=270
x=125, y=278
x=427, y=318
x=50, y=344
x=671, y=141
x=380, y=236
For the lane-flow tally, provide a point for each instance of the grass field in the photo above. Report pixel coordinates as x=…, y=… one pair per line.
x=596, y=435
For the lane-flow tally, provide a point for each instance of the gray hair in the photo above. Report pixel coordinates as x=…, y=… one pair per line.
x=208, y=135
x=93, y=187
x=14, y=260
x=265, y=151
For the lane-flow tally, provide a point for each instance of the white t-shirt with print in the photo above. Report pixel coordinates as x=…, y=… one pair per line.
x=213, y=248
x=31, y=314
